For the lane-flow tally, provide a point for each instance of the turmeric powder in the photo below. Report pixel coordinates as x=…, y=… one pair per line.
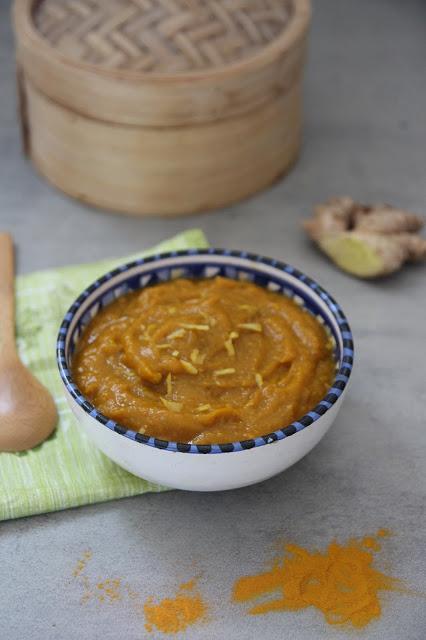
x=106, y=591
x=341, y=582
x=170, y=615
x=109, y=590
x=176, y=614
x=82, y=563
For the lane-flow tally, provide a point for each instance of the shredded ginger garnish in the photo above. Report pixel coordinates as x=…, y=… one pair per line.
x=259, y=379
x=189, y=368
x=203, y=407
x=196, y=327
x=178, y=333
x=224, y=372
x=251, y=326
x=171, y=405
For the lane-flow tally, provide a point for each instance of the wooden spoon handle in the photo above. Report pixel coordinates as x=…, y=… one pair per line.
x=7, y=296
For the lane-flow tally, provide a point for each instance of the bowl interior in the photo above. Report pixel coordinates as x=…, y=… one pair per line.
x=273, y=275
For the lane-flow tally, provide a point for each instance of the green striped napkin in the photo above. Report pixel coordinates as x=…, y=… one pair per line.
x=66, y=470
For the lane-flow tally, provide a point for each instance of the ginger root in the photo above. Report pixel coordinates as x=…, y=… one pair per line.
x=367, y=241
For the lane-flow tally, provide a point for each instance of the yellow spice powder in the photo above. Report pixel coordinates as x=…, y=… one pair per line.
x=172, y=615
x=341, y=582
x=109, y=590
x=106, y=591
x=82, y=563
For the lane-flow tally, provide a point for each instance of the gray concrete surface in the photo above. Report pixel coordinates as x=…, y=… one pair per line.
x=365, y=135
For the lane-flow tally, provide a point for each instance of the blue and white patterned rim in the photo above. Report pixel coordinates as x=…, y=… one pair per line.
x=345, y=357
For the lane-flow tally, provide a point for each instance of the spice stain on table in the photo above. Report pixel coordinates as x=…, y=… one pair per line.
x=106, y=590
x=82, y=563
x=172, y=615
x=341, y=582
x=168, y=615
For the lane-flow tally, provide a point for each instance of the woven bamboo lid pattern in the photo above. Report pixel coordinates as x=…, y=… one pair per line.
x=161, y=106
x=161, y=36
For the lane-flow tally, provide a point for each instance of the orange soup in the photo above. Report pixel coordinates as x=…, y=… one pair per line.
x=204, y=361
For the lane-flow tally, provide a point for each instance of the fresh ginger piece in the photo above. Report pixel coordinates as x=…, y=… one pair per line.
x=385, y=219
x=334, y=216
x=367, y=241
x=364, y=255
x=415, y=246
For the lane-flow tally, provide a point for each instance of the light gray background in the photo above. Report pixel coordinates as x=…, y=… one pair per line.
x=365, y=135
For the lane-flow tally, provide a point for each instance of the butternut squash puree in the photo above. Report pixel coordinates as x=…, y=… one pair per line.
x=204, y=361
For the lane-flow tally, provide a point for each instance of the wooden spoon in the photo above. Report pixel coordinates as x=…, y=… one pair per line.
x=27, y=411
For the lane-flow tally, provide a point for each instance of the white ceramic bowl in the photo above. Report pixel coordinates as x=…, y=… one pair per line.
x=206, y=467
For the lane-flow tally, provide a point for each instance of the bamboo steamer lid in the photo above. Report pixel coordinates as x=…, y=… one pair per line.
x=190, y=72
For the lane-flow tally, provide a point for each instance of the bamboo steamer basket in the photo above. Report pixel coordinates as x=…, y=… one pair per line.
x=161, y=106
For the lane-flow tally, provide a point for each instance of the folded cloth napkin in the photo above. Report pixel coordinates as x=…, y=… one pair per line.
x=66, y=470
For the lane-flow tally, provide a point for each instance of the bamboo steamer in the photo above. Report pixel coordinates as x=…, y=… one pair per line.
x=161, y=106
